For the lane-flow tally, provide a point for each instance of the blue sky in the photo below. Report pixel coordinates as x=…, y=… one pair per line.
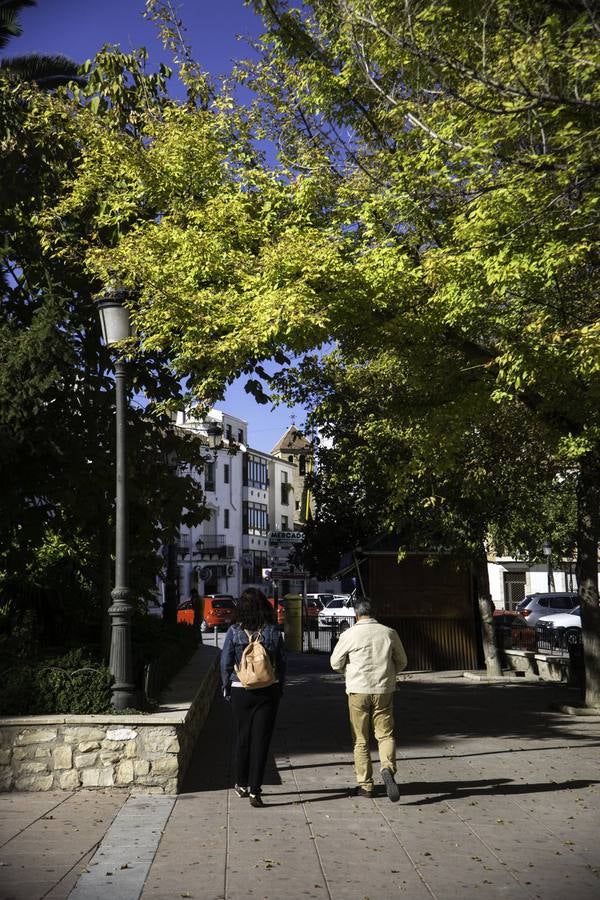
x=78, y=28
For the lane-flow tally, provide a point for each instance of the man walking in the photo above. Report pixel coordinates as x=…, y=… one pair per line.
x=371, y=656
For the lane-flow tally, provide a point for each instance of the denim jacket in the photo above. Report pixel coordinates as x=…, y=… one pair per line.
x=231, y=655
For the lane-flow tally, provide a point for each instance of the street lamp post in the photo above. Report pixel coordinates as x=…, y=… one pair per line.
x=116, y=326
x=547, y=548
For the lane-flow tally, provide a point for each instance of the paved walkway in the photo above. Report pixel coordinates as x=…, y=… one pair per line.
x=500, y=799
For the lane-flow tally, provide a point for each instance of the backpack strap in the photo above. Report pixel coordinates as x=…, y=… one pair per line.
x=254, y=635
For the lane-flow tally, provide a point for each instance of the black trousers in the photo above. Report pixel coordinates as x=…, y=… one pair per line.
x=254, y=715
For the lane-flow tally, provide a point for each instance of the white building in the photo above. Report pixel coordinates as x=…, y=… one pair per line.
x=268, y=500
x=210, y=554
x=511, y=580
x=248, y=493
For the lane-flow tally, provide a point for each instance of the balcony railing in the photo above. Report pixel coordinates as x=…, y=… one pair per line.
x=215, y=545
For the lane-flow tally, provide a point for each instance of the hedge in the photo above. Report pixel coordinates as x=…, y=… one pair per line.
x=78, y=682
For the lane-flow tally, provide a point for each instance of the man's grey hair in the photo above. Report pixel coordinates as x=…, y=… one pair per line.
x=363, y=607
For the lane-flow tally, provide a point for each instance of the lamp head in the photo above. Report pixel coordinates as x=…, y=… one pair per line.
x=547, y=548
x=114, y=315
x=214, y=433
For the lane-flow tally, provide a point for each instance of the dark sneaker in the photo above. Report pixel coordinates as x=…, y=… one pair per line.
x=391, y=788
x=256, y=801
x=362, y=792
x=240, y=791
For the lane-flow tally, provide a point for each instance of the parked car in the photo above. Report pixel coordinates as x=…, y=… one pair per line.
x=323, y=598
x=535, y=606
x=185, y=612
x=219, y=611
x=312, y=607
x=571, y=619
x=512, y=632
x=339, y=613
x=559, y=631
x=280, y=609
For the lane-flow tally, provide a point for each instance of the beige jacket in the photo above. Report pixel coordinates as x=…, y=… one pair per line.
x=371, y=655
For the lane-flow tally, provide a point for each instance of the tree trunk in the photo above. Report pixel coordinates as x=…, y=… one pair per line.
x=486, y=609
x=588, y=536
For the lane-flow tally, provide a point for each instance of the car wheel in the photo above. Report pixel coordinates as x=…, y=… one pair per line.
x=204, y=626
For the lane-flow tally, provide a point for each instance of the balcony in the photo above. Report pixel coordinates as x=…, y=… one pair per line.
x=214, y=545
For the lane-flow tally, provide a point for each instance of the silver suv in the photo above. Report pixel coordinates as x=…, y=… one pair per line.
x=534, y=606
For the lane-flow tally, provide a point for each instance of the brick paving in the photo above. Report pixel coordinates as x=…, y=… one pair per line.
x=499, y=799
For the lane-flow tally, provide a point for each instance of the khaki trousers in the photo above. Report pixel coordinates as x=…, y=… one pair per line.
x=376, y=711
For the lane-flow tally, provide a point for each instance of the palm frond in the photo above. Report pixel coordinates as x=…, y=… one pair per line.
x=9, y=19
x=47, y=71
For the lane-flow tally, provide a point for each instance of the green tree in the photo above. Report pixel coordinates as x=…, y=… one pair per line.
x=403, y=456
x=57, y=397
x=436, y=199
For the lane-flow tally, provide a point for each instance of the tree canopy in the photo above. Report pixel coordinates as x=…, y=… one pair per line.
x=433, y=212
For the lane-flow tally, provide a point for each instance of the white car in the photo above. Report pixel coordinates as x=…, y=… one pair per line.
x=535, y=606
x=339, y=613
x=563, y=620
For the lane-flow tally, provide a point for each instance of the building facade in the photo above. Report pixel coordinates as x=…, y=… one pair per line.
x=210, y=554
x=297, y=451
x=248, y=494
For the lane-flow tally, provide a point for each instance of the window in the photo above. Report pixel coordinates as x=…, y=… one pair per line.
x=290, y=459
x=209, y=476
x=284, y=523
x=256, y=518
x=241, y=436
x=228, y=432
x=302, y=465
x=225, y=518
x=226, y=473
x=285, y=488
x=256, y=475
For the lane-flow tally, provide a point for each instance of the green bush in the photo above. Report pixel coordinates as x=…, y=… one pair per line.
x=79, y=682
x=73, y=683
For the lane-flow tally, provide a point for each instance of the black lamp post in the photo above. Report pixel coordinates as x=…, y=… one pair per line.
x=547, y=548
x=116, y=326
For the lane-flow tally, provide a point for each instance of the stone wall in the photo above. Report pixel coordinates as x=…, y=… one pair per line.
x=149, y=752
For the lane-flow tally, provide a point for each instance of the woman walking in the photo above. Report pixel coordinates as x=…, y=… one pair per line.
x=254, y=709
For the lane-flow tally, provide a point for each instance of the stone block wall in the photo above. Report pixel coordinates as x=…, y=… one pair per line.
x=149, y=752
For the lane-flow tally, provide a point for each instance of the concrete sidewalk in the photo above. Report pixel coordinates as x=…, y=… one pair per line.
x=499, y=798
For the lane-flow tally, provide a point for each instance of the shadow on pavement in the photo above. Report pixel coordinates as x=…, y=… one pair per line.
x=497, y=787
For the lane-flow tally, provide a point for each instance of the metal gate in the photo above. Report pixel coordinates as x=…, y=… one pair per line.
x=321, y=638
x=514, y=589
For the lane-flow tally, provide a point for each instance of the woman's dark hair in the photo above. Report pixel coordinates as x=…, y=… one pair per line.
x=254, y=610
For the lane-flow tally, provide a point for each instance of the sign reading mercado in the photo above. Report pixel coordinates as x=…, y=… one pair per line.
x=281, y=538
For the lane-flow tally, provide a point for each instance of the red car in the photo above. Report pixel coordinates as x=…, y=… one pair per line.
x=219, y=611
x=512, y=632
x=280, y=609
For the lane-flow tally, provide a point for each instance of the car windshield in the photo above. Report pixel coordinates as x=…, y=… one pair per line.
x=524, y=603
x=222, y=604
x=335, y=604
